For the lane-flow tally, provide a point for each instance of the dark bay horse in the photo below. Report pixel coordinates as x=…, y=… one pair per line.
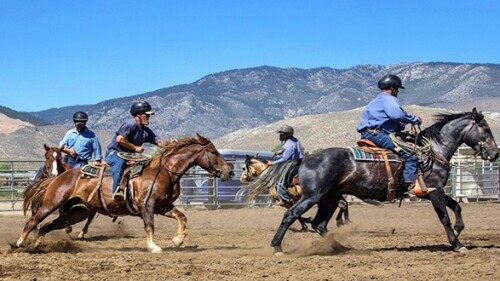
x=153, y=192
x=261, y=176
x=327, y=175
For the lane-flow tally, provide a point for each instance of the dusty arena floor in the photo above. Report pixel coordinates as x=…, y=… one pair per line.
x=386, y=243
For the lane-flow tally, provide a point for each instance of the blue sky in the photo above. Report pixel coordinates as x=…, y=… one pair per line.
x=60, y=53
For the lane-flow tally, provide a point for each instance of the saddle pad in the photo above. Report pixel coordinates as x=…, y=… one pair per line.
x=361, y=155
x=91, y=171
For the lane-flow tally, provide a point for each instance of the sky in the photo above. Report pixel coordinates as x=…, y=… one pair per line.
x=62, y=53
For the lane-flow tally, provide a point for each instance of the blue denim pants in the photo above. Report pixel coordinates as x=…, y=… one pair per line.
x=117, y=165
x=283, y=192
x=382, y=139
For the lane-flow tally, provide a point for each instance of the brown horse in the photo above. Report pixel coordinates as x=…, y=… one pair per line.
x=53, y=166
x=153, y=192
x=254, y=167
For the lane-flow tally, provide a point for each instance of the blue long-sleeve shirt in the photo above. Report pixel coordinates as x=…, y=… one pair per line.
x=385, y=113
x=290, y=150
x=84, y=143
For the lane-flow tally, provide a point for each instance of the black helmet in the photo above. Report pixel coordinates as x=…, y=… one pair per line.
x=140, y=107
x=80, y=117
x=390, y=81
x=286, y=130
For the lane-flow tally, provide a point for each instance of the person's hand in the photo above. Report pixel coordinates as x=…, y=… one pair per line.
x=419, y=120
x=139, y=149
x=72, y=153
x=269, y=162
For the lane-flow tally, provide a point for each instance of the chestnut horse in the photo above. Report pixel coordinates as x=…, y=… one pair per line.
x=266, y=177
x=53, y=166
x=153, y=192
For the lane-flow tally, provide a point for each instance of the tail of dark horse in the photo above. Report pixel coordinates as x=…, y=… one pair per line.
x=33, y=194
x=273, y=174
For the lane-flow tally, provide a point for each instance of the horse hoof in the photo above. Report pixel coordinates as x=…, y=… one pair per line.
x=177, y=241
x=156, y=250
x=463, y=249
x=81, y=235
x=68, y=229
x=279, y=254
x=19, y=243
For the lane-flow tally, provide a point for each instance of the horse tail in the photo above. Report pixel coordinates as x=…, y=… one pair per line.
x=271, y=176
x=33, y=194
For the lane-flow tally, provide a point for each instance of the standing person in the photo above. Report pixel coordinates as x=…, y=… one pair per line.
x=80, y=143
x=290, y=150
x=384, y=115
x=130, y=137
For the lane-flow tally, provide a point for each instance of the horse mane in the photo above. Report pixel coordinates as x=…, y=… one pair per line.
x=174, y=147
x=434, y=131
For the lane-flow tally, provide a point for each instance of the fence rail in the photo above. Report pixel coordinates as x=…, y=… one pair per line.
x=471, y=180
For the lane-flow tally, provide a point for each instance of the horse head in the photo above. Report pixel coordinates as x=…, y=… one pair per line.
x=212, y=161
x=53, y=157
x=253, y=167
x=480, y=138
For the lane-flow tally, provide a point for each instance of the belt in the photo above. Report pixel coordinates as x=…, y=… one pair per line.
x=371, y=130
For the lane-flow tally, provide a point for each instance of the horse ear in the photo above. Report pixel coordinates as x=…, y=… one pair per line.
x=46, y=147
x=61, y=148
x=476, y=115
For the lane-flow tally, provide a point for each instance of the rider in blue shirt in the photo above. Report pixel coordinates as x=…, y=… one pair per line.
x=80, y=143
x=290, y=150
x=130, y=137
x=384, y=115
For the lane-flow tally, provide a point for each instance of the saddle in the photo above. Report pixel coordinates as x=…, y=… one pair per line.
x=375, y=152
x=135, y=165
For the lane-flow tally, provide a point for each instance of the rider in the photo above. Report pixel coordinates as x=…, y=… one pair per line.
x=79, y=144
x=290, y=150
x=384, y=115
x=130, y=137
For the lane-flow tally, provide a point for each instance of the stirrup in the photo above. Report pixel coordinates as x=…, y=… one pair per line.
x=119, y=195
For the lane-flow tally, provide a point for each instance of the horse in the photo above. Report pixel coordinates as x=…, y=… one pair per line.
x=266, y=177
x=52, y=167
x=326, y=175
x=152, y=192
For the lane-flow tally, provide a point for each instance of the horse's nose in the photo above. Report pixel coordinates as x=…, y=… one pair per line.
x=231, y=174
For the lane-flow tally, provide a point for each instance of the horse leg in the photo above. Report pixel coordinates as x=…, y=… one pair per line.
x=303, y=224
x=302, y=206
x=343, y=210
x=64, y=220
x=326, y=208
x=457, y=210
x=149, y=227
x=181, y=228
x=33, y=222
x=438, y=202
x=85, y=228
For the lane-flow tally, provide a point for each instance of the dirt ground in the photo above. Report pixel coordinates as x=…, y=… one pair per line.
x=386, y=243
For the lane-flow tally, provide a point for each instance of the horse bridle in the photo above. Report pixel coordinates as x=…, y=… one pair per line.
x=479, y=143
x=216, y=173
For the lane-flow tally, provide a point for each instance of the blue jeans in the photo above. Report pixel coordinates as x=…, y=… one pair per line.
x=117, y=165
x=76, y=163
x=382, y=139
x=283, y=192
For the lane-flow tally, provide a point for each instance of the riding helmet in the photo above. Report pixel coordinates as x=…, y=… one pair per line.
x=80, y=117
x=390, y=81
x=286, y=130
x=141, y=107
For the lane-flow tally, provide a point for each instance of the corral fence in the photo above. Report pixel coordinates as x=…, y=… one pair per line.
x=471, y=180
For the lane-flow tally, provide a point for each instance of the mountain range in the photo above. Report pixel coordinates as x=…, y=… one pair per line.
x=242, y=99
